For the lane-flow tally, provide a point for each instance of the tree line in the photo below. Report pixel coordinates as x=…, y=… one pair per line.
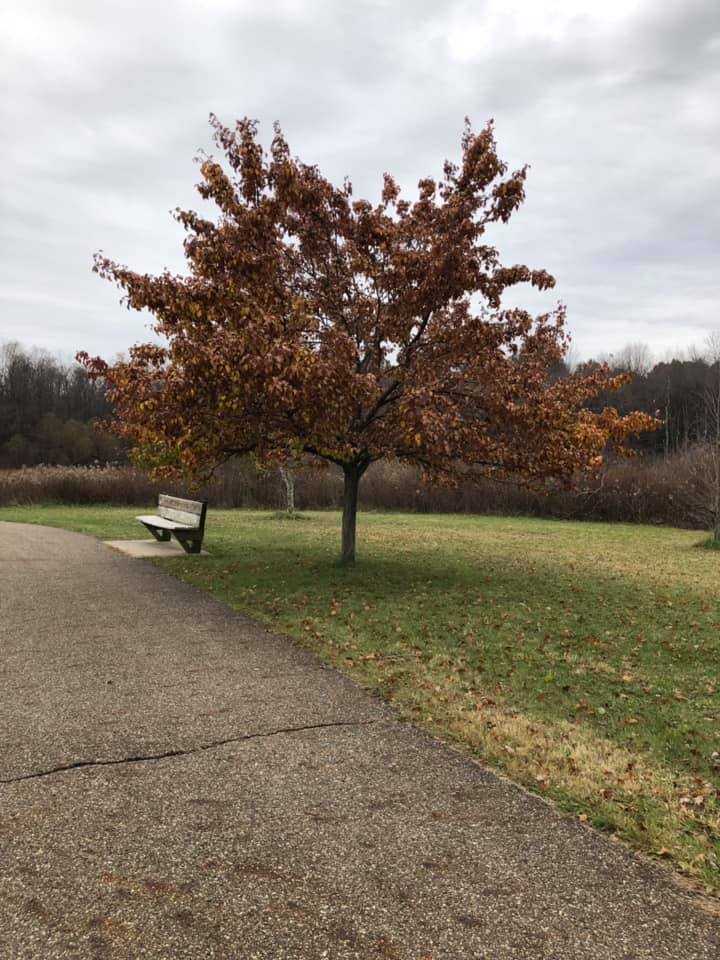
x=678, y=391
x=47, y=411
x=48, y=407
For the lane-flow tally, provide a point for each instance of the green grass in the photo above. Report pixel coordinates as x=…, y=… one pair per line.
x=581, y=659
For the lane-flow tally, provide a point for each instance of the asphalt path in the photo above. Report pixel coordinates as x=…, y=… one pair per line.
x=178, y=782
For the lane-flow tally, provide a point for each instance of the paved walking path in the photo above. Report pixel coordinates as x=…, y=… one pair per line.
x=176, y=782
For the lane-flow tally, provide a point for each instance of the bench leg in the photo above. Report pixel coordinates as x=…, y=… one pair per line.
x=189, y=544
x=162, y=535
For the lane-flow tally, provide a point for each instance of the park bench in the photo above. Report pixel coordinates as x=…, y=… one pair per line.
x=183, y=518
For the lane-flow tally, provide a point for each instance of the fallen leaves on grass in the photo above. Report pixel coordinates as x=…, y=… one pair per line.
x=639, y=798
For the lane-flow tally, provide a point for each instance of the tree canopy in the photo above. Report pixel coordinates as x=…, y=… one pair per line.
x=310, y=322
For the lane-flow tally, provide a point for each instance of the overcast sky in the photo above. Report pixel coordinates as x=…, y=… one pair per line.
x=614, y=104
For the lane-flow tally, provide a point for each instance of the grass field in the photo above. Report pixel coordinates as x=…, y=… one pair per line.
x=580, y=659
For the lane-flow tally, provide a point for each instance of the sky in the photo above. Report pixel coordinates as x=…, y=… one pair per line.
x=614, y=105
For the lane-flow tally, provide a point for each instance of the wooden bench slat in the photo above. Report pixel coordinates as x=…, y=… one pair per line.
x=177, y=503
x=180, y=516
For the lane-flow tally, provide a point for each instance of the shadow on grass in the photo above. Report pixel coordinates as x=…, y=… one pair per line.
x=707, y=544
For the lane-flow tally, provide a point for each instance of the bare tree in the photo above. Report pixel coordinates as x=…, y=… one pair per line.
x=634, y=358
x=702, y=493
x=287, y=472
x=711, y=401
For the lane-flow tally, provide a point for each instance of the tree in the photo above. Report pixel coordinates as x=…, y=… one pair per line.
x=312, y=323
x=711, y=403
x=636, y=358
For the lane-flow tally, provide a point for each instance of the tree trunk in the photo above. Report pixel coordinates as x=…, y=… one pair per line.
x=715, y=411
x=353, y=472
x=289, y=480
x=716, y=484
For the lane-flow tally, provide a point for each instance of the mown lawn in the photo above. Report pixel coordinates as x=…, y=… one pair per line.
x=581, y=659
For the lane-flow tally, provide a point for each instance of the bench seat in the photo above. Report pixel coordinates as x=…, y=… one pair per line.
x=155, y=521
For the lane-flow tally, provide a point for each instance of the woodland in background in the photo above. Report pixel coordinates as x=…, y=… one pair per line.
x=677, y=390
x=47, y=410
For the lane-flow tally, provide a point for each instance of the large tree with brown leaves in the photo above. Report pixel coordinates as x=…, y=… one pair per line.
x=312, y=323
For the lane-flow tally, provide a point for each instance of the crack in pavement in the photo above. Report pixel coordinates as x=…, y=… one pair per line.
x=184, y=753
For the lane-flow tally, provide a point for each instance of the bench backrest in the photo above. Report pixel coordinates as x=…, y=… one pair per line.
x=191, y=512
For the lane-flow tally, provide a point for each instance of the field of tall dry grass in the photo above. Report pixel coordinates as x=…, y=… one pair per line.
x=642, y=490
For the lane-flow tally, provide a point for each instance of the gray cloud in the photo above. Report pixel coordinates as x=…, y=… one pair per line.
x=103, y=107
